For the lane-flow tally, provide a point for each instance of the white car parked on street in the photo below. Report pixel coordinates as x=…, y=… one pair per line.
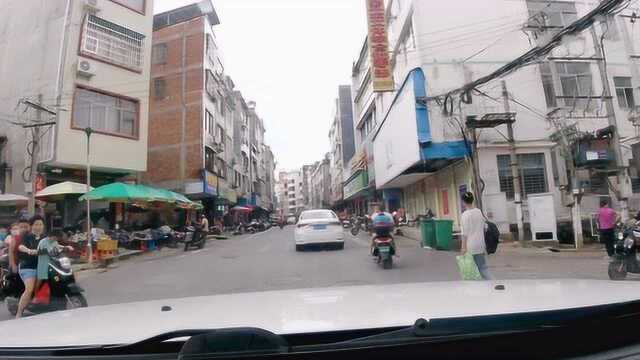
x=318, y=227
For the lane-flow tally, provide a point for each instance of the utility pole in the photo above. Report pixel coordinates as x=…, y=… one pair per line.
x=35, y=147
x=88, y=132
x=35, y=151
x=611, y=117
x=515, y=174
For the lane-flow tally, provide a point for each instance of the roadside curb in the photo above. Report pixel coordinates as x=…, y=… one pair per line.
x=102, y=264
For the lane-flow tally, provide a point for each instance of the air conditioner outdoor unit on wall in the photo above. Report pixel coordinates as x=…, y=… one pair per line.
x=86, y=68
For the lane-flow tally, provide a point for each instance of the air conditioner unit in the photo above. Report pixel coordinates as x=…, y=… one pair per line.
x=91, y=6
x=86, y=68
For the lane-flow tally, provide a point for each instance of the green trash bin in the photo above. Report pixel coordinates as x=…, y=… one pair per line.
x=428, y=232
x=444, y=234
x=437, y=234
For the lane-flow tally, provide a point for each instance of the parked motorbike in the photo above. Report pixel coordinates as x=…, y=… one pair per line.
x=254, y=226
x=625, y=257
x=360, y=223
x=384, y=249
x=194, y=238
x=60, y=292
x=347, y=223
x=421, y=217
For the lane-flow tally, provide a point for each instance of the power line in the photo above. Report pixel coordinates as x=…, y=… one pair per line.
x=604, y=8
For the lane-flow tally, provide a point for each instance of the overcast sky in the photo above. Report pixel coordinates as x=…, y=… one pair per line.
x=289, y=56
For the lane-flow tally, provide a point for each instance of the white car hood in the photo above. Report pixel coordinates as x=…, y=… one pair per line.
x=309, y=310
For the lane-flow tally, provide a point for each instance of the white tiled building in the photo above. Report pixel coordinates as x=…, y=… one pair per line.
x=418, y=153
x=90, y=61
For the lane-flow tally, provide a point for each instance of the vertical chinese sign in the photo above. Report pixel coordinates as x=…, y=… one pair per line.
x=381, y=74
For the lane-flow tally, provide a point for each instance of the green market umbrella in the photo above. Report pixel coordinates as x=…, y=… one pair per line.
x=121, y=192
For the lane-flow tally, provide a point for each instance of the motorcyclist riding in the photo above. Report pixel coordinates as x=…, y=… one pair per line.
x=382, y=226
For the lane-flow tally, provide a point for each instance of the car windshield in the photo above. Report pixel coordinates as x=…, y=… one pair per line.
x=176, y=154
x=312, y=215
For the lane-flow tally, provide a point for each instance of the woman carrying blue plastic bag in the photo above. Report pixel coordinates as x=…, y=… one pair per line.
x=472, y=223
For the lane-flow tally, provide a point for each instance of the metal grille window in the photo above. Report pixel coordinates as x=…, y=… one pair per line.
x=635, y=185
x=547, y=85
x=159, y=88
x=575, y=79
x=112, y=43
x=105, y=113
x=624, y=92
x=210, y=85
x=159, y=54
x=533, y=177
x=209, y=159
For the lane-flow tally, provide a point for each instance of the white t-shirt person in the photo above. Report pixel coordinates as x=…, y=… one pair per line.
x=472, y=224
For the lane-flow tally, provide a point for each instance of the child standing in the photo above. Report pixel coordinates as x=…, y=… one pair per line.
x=47, y=247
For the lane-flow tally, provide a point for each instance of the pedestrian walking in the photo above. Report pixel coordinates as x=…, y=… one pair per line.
x=472, y=223
x=606, y=224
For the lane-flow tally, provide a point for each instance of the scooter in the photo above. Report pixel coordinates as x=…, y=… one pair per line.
x=360, y=223
x=60, y=292
x=194, y=238
x=624, y=259
x=384, y=249
x=346, y=223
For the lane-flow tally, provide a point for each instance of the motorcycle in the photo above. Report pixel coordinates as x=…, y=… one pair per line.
x=384, y=249
x=346, y=223
x=60, y=292
x=194, y=237
x=164, y=237
x=360, y=223
x=624, y=259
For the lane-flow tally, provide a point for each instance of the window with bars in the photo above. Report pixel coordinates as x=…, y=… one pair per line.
x=210, y=85
x=159, y=88
x=209, y=159
x=105, y=113
x=533, y=176
x=112, y=43
x=575, y=80
x=624, y=92
x=159, y=54
x=209, y=123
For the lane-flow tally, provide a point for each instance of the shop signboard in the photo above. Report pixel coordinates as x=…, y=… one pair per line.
x=396, y=147
x=381, y=73
x=357, y=183
x=210, y=183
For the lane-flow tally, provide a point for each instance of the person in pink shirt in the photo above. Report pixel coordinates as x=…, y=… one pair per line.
x=607, y=223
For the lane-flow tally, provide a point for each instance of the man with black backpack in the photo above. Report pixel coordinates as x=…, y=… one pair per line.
x=472, y=223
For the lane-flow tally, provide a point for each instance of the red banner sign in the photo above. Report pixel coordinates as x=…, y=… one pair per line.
x=381, y=73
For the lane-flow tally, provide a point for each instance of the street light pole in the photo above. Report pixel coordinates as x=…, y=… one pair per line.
x=88, y=131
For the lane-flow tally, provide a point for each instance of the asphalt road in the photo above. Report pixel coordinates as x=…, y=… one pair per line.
x=268, y=261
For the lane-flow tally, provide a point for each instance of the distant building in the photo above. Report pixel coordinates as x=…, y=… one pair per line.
x=321, y=185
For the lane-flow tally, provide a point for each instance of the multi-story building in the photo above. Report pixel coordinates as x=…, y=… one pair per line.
x=419, y=138
x=206, y=141
x=320, y=188
x=268, y=198
x=87, y=62
x=289, y=193
x=341, y=142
